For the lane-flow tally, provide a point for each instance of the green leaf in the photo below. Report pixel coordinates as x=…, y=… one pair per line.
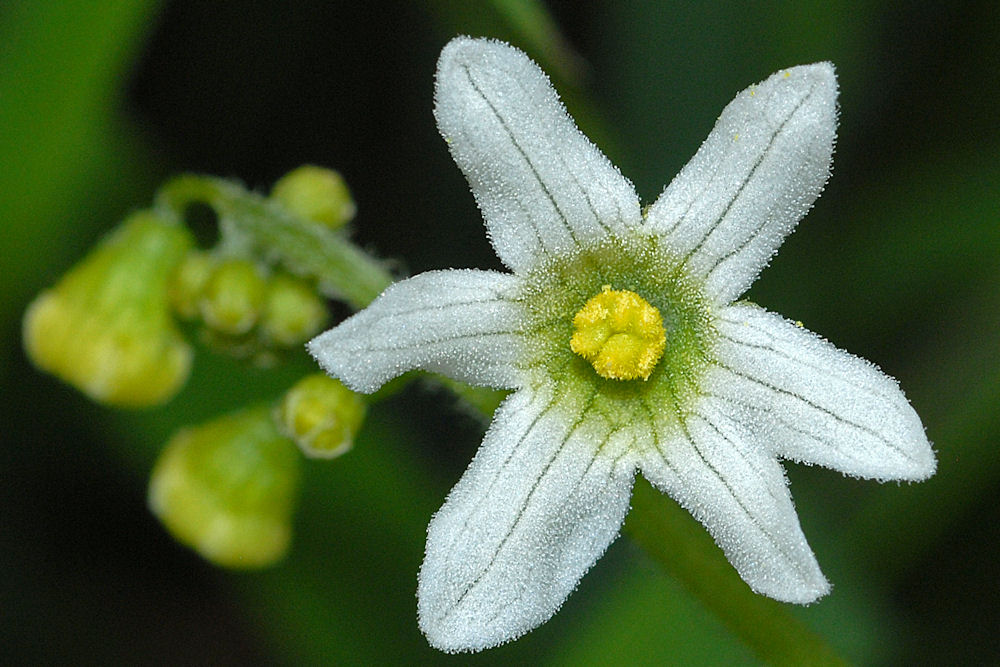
x=61, y=64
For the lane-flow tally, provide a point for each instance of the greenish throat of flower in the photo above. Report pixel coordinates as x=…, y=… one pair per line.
x=620, y=334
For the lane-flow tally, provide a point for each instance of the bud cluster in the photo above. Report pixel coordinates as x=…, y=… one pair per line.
x=226, y=488
x=246, y=308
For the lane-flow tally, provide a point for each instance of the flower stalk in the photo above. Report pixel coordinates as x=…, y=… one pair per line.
x=251, y=222
x=672, y=539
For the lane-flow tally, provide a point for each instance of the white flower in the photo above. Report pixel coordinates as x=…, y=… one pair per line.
x=619, y=334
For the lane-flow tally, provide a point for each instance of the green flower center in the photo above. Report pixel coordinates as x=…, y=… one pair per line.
x=620, y=334
x=620, y=327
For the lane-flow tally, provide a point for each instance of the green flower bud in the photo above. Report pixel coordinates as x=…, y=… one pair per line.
x=227, y=489
x=293, y=312
x=232, y=297
x=188, y=283
x=322, y=416
x=106, y=327
x=316, y=194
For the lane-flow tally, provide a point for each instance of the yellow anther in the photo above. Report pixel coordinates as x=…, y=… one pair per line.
x=620, y=334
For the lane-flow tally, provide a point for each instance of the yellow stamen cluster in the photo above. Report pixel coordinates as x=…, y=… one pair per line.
x=620, y=334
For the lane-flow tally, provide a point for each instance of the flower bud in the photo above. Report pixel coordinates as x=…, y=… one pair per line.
x=316, y=194
x=188, y=283
x=293, y=312
x=232, y=297
x=227, y=489
x=106, y=327
x=322, y=416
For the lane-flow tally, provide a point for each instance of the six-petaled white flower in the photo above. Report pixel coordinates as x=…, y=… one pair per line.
x=620, y=335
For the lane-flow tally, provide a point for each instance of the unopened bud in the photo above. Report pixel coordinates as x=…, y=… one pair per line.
x=232, y=297
x=293, y=312
x=227, y=489
x=316, y=194
x=322, y=416
x=106, y=327
x=188, y=283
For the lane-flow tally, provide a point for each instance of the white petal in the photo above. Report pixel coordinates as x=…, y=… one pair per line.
x=542, y=500
x=741, y=496
x=462, y=323
x=542, y=186
x=757, y=174
x=821, y=404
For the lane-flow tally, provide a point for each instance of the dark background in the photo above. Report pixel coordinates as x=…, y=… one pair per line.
x=899, y=263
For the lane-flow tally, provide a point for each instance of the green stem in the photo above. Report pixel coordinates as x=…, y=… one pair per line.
x=680, y=545
x=342, y=270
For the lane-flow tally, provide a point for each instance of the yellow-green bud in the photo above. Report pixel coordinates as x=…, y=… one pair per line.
x=316, y=194
x=232, y=297
x=227, y=489
x=106, y=327
x=293, y=312
x=188, y=283
x=322, y=416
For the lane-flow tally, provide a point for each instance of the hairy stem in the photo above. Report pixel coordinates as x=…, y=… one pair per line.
x=343, y=271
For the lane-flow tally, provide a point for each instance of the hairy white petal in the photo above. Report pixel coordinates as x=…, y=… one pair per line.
x=757, y=174
x=541, y=501
x=462, y=323
x=739, y=492
x=542, y=186
x=821, y=404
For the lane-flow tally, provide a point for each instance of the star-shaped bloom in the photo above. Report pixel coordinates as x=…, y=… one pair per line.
x=620, y=335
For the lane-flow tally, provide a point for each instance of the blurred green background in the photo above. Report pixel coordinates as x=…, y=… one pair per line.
x=899, y=262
